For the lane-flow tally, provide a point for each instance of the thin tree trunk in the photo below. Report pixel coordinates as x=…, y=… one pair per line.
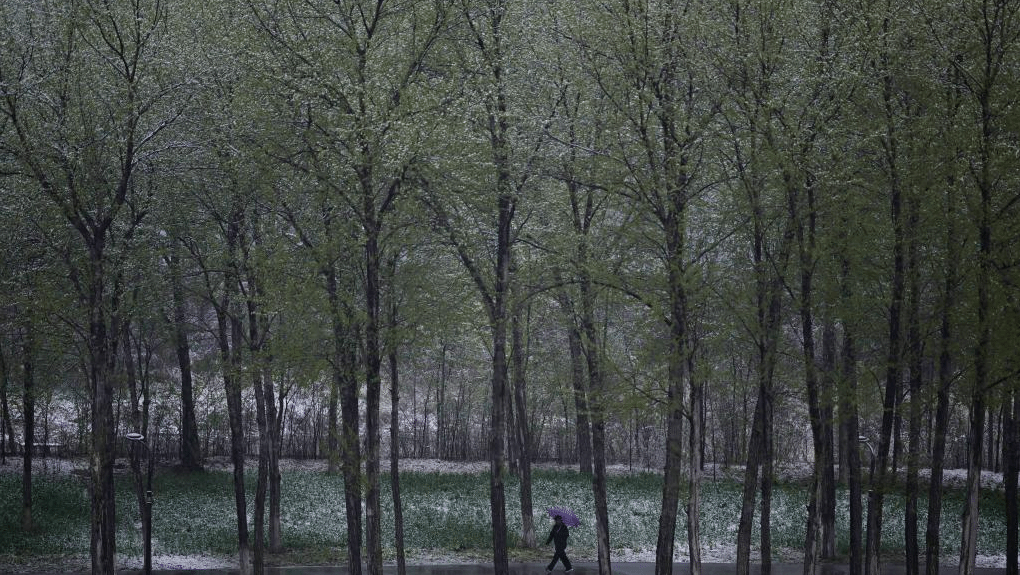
x=933, y=549
x=191, y=454
x=261, y=484
x=392, y=357
x=333, y=422
x=696, y=458
x=848, y=415
x=274, y=421
x=914, y=363
x=893, y=358
x=398, y=506
x=982, y=348
x=749, y=491
x=579, y=383
x=521, y=429
x=373, y=386
x=1011, y=474
x=28, y=413
x=596, y=376
x=6, y=430
x=806, y=244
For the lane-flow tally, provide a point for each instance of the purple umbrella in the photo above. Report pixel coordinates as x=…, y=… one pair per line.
x=569, y=518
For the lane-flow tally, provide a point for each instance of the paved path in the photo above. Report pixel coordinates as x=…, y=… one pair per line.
x=580, y=568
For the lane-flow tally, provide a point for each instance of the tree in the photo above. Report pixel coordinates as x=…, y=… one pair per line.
x=87, y=134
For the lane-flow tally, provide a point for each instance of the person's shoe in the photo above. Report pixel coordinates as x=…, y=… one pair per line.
x=571, y=570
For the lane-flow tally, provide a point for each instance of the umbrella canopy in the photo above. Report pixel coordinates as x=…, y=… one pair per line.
x=569, y=518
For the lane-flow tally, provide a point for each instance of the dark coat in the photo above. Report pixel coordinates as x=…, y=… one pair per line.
x=558, y=536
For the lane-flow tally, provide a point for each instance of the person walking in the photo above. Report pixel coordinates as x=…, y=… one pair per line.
x=558, y=536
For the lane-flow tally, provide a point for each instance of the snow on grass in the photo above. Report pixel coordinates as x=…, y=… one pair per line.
x=446, y=514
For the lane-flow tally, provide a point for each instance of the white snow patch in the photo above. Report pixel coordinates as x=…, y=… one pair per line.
x=179, y=562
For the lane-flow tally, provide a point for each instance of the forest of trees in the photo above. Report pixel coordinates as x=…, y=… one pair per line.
x=655, y=232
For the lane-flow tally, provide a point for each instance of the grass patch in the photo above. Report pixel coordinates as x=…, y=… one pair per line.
x=194, y=514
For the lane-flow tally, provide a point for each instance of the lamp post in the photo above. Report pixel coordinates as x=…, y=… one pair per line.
x=139, y=439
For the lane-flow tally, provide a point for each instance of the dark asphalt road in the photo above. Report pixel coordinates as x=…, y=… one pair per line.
x=580, y=568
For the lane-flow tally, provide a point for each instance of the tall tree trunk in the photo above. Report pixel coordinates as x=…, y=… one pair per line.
x=398, y=506
x=893, y=374
x=229, y=331
x=767, y=475
x=345, y=379
x=262, y=480
x=769, y=274
x=975, y=436
x=521, y=428
x=933, y=548
x=191, y=453
x=498, y=320
x=578, y=383
x=333, y=422
x=985, y=181
x=828, y=495
x=28, y=413
x=373, y=385
x=696, y=459
x=1010, y=476
x=392, y=349
x=139, y=423
x=851, y=433
x=275, y=421
x=6, y=428
x=915, y=408
x=806, y=243
x=597, y=401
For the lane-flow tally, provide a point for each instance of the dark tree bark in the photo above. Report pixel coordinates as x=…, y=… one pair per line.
x=890, y=144
x=262, y=478
x=933, y=549
x=578, y=382
x=191, y=453
x=596, y=377
x=140, y=397
x=1010, y=477
x=820, y=417
x=914, y=360
x=851, y=431
x=521, y=428
x=345, y=379
x=229, y=338
x=769, y=273
x=333, y=423
x=373, y=381
x=393, y=358
x=695, y=457
x=6, y=427
x=28, y=413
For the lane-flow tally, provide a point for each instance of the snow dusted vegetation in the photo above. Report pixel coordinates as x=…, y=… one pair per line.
x=446, y=515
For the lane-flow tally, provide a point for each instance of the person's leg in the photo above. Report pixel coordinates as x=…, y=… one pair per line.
x=566, y=561
x=559, y=556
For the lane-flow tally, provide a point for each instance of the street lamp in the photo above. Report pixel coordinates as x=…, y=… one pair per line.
x=146, y=509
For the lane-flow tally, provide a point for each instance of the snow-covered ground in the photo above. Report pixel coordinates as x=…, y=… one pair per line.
x=713, y=554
